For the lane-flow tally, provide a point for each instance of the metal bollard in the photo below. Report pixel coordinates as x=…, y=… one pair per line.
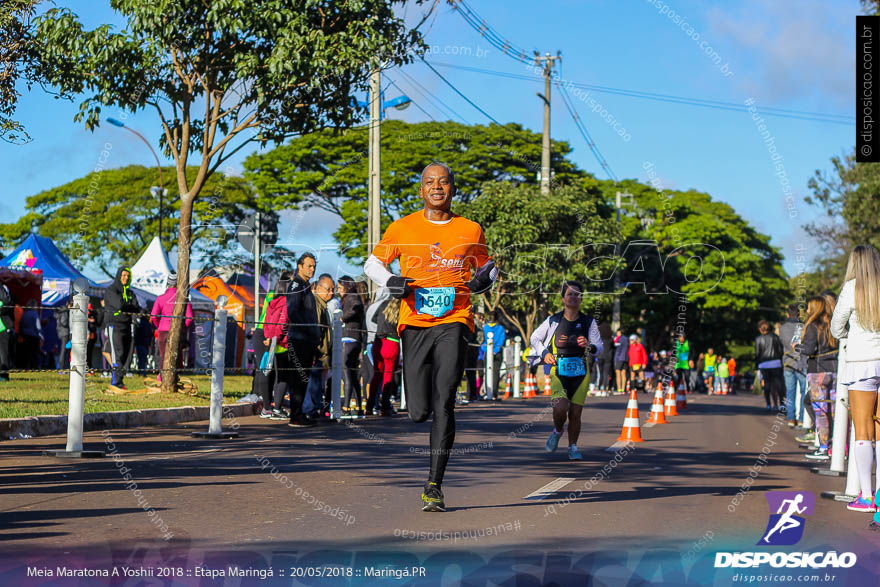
x=79, y=330
x=517, y=363
x=336, y=368
x=218, y=364
x=402, y=382
x=490, y=367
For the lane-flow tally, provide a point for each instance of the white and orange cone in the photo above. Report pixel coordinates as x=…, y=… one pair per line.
x=670, y=403
x=657, y=414
x=632, y=429
x=548, y=390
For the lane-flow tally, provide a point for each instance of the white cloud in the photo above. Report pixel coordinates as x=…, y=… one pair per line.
x=802, y=50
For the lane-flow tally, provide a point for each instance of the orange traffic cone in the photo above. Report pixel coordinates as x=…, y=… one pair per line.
x=657, y=415
x=632, y=430
x=548, y=390
x=670, y=403
x=507, y=387
x=681, y=401
x=531, y=385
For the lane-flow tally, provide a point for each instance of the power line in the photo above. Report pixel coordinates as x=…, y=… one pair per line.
x=488, y=33
x=468, y=100
x=433, y=100
x=716, y=104
x=566, y=100
x=399, y=89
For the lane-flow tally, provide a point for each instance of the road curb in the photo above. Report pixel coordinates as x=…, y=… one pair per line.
x=15, y=428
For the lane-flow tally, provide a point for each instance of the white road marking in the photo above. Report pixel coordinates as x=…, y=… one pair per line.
x=550, y=488
x=616, y=446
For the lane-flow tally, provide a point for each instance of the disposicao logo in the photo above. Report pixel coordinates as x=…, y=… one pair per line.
x=785, y=528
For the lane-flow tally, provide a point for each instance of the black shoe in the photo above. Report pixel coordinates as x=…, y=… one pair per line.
x=279, y=415
x=432, y=499
x=360, y=413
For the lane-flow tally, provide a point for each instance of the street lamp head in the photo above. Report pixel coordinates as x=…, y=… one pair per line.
x=115, y=122
x=404, y=105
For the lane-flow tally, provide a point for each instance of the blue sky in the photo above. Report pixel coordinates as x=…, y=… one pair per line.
x=780, y=56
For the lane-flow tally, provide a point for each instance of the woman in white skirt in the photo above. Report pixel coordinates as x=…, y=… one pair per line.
x=857, y=318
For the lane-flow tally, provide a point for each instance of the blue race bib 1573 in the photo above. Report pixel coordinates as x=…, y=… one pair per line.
x=434, y=301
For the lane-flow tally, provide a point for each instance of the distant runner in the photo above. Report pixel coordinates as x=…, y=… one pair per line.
x=563, y=340
x=436, y=249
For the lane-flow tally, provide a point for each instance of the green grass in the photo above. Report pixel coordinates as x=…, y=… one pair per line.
x=44, y=394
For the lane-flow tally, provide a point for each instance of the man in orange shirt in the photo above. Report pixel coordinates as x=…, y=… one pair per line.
x=436, y=250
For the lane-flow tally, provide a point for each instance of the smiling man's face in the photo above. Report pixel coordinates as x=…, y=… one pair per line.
x=438, y=188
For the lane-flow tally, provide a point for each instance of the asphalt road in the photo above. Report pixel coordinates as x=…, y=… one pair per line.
x=348, y=492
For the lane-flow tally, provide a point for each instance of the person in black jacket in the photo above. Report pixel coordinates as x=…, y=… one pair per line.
x=768, y=358
x=818, y=349
x=605, y=360
x=303, y=338
x=62, y=327
x=7, y=322
x=353, y=327
x=120, y=304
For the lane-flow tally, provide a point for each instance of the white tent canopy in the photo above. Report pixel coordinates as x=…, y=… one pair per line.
x=151, y=271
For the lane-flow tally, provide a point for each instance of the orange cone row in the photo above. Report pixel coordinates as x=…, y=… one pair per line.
x=670, y=409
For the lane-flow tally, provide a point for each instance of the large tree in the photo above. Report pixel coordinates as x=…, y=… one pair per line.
x=16, y=59
x=221, y=75
x=108, y=217
x=684, y=245
x=537, y=241
x=329, y=170
x=847, y=196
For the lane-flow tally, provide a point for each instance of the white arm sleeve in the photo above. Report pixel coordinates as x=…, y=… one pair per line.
x=375, y=270
x=843, y=310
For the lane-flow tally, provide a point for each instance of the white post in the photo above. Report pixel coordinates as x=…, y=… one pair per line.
x=517, y=362
x=808, y=421
x=79, y=319
x=218, y=363
x=336, y=368
x=841, y=415
x=402, y=383
x=490, y=367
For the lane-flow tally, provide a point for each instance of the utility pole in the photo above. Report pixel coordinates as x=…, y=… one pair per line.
x=546, y=62
x=258, y=237
x=615, y=312
x=374, y=218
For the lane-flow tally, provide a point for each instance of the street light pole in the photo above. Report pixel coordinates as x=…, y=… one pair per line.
x=162, y=193
x=374, y=222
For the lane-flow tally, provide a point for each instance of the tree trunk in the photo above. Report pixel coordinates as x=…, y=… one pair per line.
x=169, y=367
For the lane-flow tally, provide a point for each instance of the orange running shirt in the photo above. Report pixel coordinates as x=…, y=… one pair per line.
x=436, y=256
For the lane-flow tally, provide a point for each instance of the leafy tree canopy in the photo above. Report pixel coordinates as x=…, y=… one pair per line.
x=109, y=217
x=329, y=169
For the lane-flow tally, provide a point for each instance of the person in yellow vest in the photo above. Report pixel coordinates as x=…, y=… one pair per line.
x=709, y=363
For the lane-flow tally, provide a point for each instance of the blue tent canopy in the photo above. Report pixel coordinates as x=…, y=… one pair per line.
x=38, y=253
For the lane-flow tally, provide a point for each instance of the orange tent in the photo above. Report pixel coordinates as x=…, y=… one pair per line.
x=236, y=306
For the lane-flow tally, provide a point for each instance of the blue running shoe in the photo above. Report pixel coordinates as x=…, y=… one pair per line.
x=877, y=511
x=574, y=454
x=553, y=441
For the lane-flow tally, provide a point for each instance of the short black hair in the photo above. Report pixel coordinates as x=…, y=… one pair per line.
x=326, y=276
x=793, y=310
x=304, y=256
x=571, y=283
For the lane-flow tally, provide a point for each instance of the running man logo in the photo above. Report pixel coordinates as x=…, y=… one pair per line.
x=786, y=526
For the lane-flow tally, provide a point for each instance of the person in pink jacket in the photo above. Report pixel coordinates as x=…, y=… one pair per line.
x=163, y=308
